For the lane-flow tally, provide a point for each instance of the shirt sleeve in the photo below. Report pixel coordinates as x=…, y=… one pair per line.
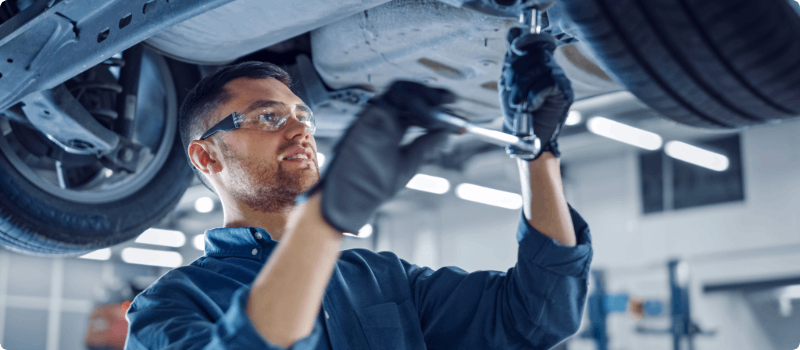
x=534, y=305
x=172, y=316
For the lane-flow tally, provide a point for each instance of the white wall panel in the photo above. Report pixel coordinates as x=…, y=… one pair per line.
x=743, y=241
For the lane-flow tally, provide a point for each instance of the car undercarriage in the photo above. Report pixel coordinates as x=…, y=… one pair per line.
x=89, y=90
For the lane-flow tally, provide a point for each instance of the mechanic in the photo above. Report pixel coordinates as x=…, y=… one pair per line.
x=273, y=277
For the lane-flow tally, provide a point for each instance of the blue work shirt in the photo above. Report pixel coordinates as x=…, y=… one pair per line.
x=373, y=300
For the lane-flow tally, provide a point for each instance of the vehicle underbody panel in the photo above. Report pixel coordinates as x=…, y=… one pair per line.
x=433, y=43
x=372, y=43
x=244, y=26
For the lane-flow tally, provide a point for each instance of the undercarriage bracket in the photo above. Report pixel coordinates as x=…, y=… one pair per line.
x=52, y=41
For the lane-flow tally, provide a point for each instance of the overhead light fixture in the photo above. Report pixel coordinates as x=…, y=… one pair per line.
x=785, y=297
x=364, y=232
x=573, y=118
x=489, y=196
x=624, y=133
x=204, y=204
x=427, y=183
x=151, y=257
x=100, y=254
x=791, y=291
x=166, y=238
x=320, y=159
x=199, y=242
x=696, y=156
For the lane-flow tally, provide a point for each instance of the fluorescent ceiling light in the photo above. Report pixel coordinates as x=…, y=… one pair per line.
x=151, y=257
x=427, y=183
x=791, y=291
x=489, y=196
x=785, y=297
x=199, y=242
x=573, y=118
x=204, y=204
x=624, y=133
x=363, y=232
x=100, y=254
x=696, y=156
x=167, y=238
x=320, y=159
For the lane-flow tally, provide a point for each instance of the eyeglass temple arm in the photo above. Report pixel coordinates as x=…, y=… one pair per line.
x=227, y=124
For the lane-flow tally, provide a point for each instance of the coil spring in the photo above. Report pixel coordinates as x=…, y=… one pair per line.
x=97, y=90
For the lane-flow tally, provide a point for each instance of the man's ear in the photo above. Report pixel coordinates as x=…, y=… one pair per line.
x=204, y=157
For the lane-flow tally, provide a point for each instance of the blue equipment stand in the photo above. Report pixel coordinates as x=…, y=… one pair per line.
x=683, y=330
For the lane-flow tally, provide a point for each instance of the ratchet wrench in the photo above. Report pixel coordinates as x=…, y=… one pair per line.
x=524, y=144
x=528, y=144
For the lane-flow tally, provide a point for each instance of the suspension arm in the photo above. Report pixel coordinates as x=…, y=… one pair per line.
x=53, y=40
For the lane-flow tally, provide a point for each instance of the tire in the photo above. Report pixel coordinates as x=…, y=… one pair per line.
x=37, y=219
x=705, y=63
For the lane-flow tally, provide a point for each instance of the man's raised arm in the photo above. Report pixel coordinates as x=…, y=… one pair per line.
x=539, y=302
x=368, y=169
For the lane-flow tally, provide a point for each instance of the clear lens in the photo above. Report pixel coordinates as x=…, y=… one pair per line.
x=274, y=118
x=306, y=116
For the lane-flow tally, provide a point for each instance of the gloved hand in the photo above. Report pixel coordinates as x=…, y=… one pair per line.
x=533, y=82
x=370, y=166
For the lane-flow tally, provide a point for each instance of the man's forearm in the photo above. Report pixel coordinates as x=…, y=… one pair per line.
x=544, y=204
x=287, y=293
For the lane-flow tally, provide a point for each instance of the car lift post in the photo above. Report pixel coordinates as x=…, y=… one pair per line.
x=598, y=312
x=683, y=329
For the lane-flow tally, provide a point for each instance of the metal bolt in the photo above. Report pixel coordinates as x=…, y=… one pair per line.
x=531, y=19
x=126, y=154
x=79, y=144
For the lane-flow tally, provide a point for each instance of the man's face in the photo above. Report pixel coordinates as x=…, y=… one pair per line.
x=258, y=165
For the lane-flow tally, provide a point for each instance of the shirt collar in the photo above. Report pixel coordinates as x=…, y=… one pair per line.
x=244, y=242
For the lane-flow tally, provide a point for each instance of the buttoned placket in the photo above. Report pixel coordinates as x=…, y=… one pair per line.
x=338, y=336
x=330, y=324
x=259, y=239
x=328, y=321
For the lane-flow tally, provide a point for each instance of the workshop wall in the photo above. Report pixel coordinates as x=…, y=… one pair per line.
x=45, y=302
x=443, y=230
x=756, y=239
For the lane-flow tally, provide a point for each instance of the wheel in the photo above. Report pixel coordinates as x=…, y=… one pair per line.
x=58, y=203
x=707, y=63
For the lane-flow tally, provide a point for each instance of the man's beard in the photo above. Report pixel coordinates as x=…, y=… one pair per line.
x=267, y=187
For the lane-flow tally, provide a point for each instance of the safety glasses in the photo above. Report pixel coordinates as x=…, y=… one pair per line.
x=271, y=117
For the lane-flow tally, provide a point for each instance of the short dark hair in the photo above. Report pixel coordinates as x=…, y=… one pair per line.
x=210, y=92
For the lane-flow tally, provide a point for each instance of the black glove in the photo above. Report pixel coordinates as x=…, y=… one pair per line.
x=532, y=82
x=369, y=166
